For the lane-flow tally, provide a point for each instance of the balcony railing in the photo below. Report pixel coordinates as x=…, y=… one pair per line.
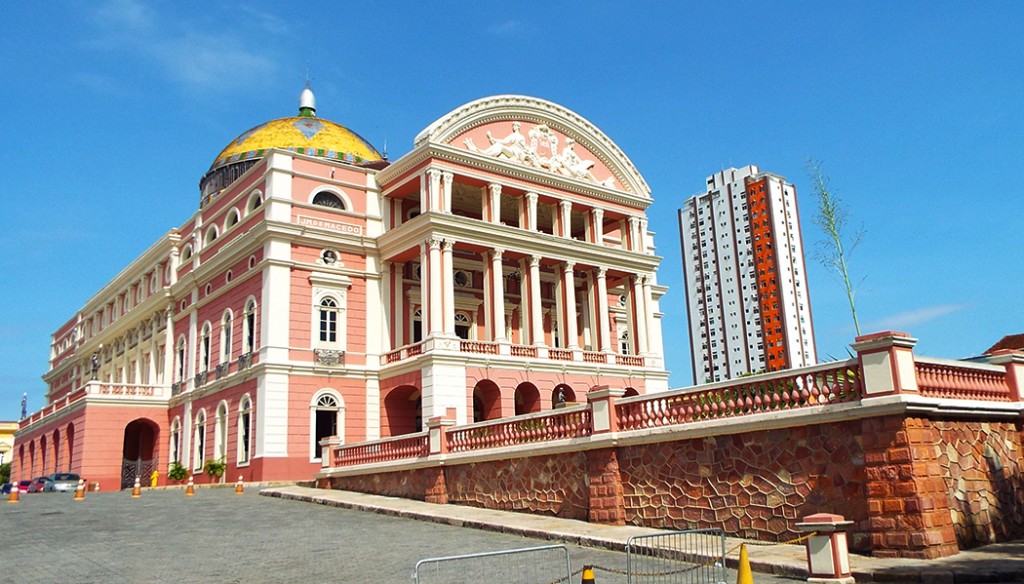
x=960, y=380
x=555, y=425
x=828, y=384
x=396, y=448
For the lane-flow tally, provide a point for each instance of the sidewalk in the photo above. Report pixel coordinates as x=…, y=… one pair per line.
x=1000, y=563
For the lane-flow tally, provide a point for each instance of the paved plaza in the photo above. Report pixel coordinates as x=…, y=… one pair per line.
x=217, y=536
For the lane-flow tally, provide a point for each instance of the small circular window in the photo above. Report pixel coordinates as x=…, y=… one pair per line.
x=329, y=257
x=462, y=279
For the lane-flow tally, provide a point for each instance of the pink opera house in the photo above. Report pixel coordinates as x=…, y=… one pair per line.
x=501, y=267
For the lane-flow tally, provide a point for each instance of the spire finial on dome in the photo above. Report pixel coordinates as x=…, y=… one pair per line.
x=307, y=101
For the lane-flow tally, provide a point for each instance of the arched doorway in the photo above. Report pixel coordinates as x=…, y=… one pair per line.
x=630, y=392
x=486, y=401
x=70, y=433
x=326, y=419
x=527, y=398
x=56, y=451
x=562, y=394
x=139, y=451
x=403, y=411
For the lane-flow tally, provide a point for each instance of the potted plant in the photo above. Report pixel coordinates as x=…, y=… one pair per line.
x=215, y=468
x=177, y=472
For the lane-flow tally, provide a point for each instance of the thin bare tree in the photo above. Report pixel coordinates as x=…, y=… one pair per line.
x=838, y=245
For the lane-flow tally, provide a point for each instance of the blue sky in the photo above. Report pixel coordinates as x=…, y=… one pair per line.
x=111, y=111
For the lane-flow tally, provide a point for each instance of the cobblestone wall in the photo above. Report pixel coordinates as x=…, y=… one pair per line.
x=754, y=485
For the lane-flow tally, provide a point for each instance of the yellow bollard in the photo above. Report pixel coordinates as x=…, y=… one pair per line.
x=80, y=490
x=137, y=489
x=588, y=575
x=743, y=573
x=239, y=489
x=190, y=489
x=153, y=478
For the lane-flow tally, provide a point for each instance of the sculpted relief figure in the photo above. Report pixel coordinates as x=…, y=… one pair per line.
x=512, y=146
x=542, y=141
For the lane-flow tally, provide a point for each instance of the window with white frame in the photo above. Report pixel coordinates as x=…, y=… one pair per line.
x=220, y=433
x=326, y=419
x=249, y=328
x=175, y=454
x=330, y=300
x=244, y=429
x=180, y=359
x=199, y=441
x=417, y=325
x=329, y=200
x=225, y=337
x=204, y=349
x=462, y=325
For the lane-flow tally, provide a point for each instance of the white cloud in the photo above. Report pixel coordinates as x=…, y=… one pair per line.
x=193, y=55
x=912, y=318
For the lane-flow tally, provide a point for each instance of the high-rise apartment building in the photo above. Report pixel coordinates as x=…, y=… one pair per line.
x=746, y=280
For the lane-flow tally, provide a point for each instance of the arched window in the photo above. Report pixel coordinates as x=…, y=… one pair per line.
x=462, y=325
x=232, y=219
x=211, y=235
x=179, y=369
x=225, y=337
x=328, y=320
x=255, y=200
x=326, y=420
x=244, y=429
x=199, y=441
x=204, y=349
x=220, y=433
x=186, y=252
x=249, y=328
x=624, y=345
x=175, y=454
x=330, y=200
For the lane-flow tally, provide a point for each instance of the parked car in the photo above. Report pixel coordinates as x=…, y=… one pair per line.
x=5, y=489
x=23, y=486
x=37, y=484
x=61, y=482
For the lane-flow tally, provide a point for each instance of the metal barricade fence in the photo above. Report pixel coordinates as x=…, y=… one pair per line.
x=683, y=557
x=535, y=565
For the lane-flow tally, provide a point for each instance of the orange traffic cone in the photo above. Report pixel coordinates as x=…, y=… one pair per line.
x=15, y=493
x=588, y=575
x=239, y=489
x=137, y=489
x=744, y=575
x=190, y=489
x=80, y=490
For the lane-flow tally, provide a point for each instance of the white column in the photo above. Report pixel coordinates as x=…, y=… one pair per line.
x=494, y=202
x=602, y=311
x=597, y=226
x=389, y=313
x=648, y=315
x=434, y=189
x=565, y=212
x=639, y=316
x=447, y=179
x=536, y=312
x=531, y=211
x=497, y=295
x=436, y=300
x=569, y=286
x=169, y=348
x=448, y=276
x=401, y=312
x=424, y=195
x=642, y=228
x=424, y=292
x=634, y=234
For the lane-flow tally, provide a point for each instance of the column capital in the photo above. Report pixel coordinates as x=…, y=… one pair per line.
x=532, y=197
x=564, y=204
x=433, y=242
x=534, y=261
x=447, y=244
x=568, y=266
x=496, y=253
x=601, y=272
x=433, y=173
x=447, y=176
x=494, y=188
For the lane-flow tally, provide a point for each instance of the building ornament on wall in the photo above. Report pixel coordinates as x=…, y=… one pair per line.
x=516, y=148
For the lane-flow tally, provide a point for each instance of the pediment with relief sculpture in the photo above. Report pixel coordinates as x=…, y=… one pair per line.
x=540, y=135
